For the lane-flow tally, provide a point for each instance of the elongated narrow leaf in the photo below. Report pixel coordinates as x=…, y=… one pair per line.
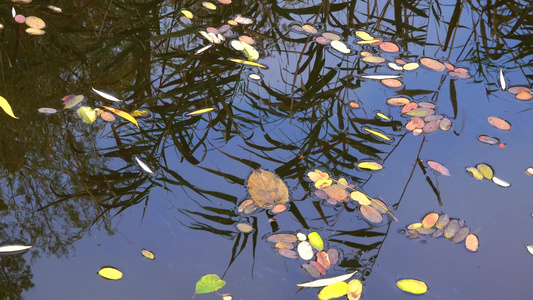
x=209, y=283
x=503, y=84
x=200, y=111
x=106, y=95
x=13, y=248
x=247, y=62
x=380, y=77
x=326, y=281
x=122, y=114
x=6, y=107
x=530, y=249
x=144, y=166
x=378, y=134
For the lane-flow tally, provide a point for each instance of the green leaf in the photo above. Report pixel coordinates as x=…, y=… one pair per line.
x=209, y=283
x=370, y=165
x=316, y=241
x=412, y=286
x=333, y=291
x=88, y=114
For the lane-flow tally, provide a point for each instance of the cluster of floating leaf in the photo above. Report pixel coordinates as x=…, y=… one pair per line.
x=423, y=116
x=325, y=38
x=89, y=114
x=522, y=93
x=335, y=191
x=442, y=225
x=35, y=24
x=309, y=248
x=484, y=171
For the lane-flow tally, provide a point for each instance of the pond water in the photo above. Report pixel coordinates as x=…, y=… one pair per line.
x=79, y=188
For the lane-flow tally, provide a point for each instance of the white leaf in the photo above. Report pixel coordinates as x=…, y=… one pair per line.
x=47, y=110
x=379, y=77
x=144, y=166
x=203, y=49
x=13, y=12
x=340, y=46
x=395, y=67
x=500, y=182
x=530, y=249
x=305, y=250
x=502, y=80
x=326, y=281
x=106, y=95
x=13, y=248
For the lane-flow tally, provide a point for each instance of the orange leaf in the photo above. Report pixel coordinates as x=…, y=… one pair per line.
x=122, y=114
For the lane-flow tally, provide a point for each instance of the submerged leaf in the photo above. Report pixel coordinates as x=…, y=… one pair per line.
x=6, y=107
x=110, y=273
x=333, y=291
x=412, y=286
x=326, y=281
x=209, y=283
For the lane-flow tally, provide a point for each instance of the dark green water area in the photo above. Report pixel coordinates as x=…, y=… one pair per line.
x=200, y=130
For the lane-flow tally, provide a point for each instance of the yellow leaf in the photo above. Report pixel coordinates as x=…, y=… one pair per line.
x=250, y=52
x=372, y=41
x=209, y=5
x=122, y=114
x=412, y=286
x=200, y=111
x=315, y=240
x=6, y=107
x=323, y=183
x=370, y=165
x=332, y=291
x=110, y=273
x=355, y=289
x=377, y=133
x=249, y=63
x=187, y=13
x=475, y=173
x=87, y=114
x=360, y=197
x=364, y=35
x=148, y=254
x=486, y=170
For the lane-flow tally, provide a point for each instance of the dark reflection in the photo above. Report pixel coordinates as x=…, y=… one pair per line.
x=61, y=176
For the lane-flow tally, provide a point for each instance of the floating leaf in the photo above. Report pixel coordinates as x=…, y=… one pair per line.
x=524, y=96
x=486, y=170
x=326, y=281
x=452, y=228
x=35, y=22
x=377, y=133
x=72, y=100
x=6, y=107
x=310, y=29
x=488, y=140
x=371, y=214
x=106, y=95
x=431, y=126
x=305, y=250
x=499, y=123
x=13, y=248
x=55, y=9
x=430, y=220
x=255, y=77
x=333, y=291
x=282, y=237
x=341, y=47
x=122, y=114
x=250, y=52
x=323, y=259
x=314, y=272
x=392, y=83
x=288, y=253
x=432, y=64
x=364, y=35
x=370, y=165
x=318, y=266
x=373, y=59
x=397, y=101
x=110, y=273
x=35, y=31
x=209, y=5
x=316, y=241
x=47, y=110
x=209, y=283
x=144, y=166
x=472, y=242
x=389, y=47
x=414, y=226
x=243, y=20
x=380, y=77
x=187, y=13
x=267, y=189
x=246, y=62
x=438, y=167
x=322, y=40
x=394, y=66
x=475, y=173
x=503, y=84
x=412, y=286
x=200, y=111
x=283, y=245
x=443, y=220
x=500, y=182
x=331, y=36
x=445, y=124
x=420, y=112
x=411, y=66
x=461, y=235
x=355, y=289
x=278, y=208
x=201, y=50
x=87, y=114
x=360, y=197
x=147, y=254
x=530, y=248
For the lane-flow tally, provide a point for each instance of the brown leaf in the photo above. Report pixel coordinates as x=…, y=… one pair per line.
x=461, y=235
x=323, y=259
x=267, y=189
x=282, y=237
x=371, y=214
x=288, y=253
